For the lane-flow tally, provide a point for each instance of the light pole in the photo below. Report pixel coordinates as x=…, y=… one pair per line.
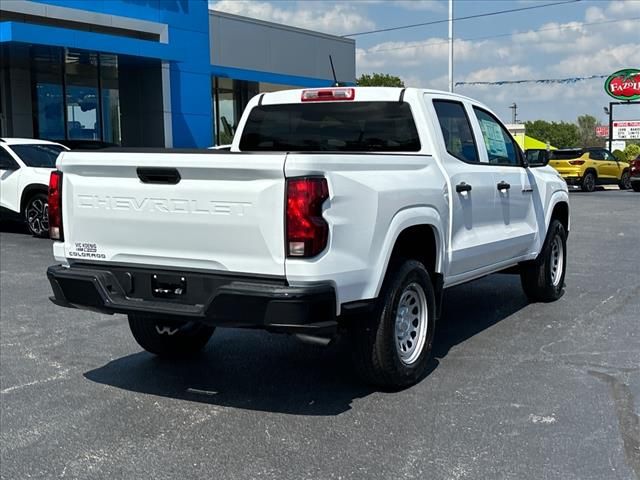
x=514, y=113
x=451, y=45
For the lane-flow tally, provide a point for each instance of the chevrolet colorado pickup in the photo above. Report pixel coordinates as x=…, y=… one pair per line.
x=336, y=210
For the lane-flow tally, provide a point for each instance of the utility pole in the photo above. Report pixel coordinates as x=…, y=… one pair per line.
x=451, y=45
x=514, y=113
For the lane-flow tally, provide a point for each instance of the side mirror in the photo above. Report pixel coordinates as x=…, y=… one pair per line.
x=537, y=157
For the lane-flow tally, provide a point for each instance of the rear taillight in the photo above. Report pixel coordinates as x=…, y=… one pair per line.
x=307, y=231
x=576, y=162
x=328, y=95
x=55, y=206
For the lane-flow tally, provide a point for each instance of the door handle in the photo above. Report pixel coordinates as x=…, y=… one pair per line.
x=463, y=187
x=503, y=185
x=169, y=176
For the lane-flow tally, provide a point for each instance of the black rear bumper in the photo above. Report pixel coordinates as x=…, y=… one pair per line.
x=213, y=299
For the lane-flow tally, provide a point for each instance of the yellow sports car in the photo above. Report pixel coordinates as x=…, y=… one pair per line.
x=588, y=167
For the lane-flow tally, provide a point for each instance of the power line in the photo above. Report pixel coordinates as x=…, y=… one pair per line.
x=468, y=17
x=548, y=29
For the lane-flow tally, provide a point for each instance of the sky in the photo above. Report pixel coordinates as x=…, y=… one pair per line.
x=582, y=38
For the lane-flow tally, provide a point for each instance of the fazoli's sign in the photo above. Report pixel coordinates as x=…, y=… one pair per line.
x=624, y=84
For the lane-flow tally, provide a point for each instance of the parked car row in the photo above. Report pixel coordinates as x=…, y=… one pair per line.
x=25, y=165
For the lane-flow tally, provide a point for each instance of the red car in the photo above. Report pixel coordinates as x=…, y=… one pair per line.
x=635, y=174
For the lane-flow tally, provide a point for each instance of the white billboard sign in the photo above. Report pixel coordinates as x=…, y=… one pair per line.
x=626, y=130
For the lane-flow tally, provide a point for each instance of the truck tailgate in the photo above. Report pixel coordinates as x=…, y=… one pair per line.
x=226, y=211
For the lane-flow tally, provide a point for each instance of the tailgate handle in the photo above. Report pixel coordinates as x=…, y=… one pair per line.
x=168, y=176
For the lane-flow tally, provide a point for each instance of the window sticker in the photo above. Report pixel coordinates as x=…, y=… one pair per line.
x=493, y=139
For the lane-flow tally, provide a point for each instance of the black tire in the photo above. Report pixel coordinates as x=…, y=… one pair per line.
x=635, y=186
x=376, y=342
x=36, y=215
x=169, y=338
x=588, y=182
x=539, y=279
x=625, y=181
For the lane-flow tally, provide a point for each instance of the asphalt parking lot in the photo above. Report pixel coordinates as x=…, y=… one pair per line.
x=516, y=390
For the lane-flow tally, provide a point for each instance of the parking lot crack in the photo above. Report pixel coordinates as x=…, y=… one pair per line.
x=628, y=420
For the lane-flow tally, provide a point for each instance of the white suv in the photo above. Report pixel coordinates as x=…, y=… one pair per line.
x=25, y=165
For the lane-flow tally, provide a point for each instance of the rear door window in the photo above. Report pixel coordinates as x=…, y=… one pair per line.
x=331, y=126
x=456, y=130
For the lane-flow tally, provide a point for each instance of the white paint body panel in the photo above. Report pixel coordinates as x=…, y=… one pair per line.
x=372, y=199
x=225, y=214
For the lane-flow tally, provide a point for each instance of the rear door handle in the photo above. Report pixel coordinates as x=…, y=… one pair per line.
x=169, y=176
x=503, y=185
x=463, y=187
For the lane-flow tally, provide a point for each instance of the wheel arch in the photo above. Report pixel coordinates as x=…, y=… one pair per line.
x=558, y=209
x=409, y=230
x=29, y=191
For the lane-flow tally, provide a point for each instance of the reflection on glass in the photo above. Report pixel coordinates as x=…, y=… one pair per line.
x=50, y=111
x=49, y=104
x=81, y=69
x=110, y=98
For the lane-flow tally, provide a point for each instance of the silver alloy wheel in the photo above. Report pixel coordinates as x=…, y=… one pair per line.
x=626, y=181
x=411, y=323
x=38, y=216
x=557, y=260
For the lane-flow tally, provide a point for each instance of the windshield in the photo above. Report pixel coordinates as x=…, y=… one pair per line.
x=38, y=155
x=331, y=126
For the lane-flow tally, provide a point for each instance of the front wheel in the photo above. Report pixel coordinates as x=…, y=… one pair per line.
x=625, y=181
x=543, y=278
x=588, y=182
x=635, y=186
x=392, y=347
x=168, y=338
x=36, y=215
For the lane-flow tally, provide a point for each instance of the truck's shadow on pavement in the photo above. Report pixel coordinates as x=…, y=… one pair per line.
x=257, y=371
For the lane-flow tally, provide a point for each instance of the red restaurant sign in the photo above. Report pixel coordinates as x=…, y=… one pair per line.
x=624, y=84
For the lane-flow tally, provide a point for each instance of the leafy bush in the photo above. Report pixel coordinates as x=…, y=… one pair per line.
x=620, y=155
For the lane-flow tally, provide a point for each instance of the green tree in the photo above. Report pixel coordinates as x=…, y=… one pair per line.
x=632, y=151
x=558, y=134
x=379, y=80
x=587, y=129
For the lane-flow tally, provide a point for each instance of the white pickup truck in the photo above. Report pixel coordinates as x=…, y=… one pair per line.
x=334, y=210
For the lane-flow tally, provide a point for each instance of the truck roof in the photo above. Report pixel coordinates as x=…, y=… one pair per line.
x=361, y=94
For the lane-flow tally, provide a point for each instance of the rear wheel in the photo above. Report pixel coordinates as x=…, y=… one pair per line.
x=36, y=214
x=635, y=186
x=588, y=182
x=543, y=278
x=169, y=338
x=625, y=181
x=392, y=347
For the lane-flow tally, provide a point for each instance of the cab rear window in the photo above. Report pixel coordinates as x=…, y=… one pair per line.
x=331, y=126
x=565, y=154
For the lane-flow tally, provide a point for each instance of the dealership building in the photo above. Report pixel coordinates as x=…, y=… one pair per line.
x=152, y=73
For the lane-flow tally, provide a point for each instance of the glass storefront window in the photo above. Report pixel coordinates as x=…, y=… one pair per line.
x=79, y=88
x=110, y=98
x=230, y=97
x=81, y=76
x=47, y=78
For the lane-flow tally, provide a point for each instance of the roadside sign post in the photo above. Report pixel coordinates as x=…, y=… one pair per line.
x=622, y=85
